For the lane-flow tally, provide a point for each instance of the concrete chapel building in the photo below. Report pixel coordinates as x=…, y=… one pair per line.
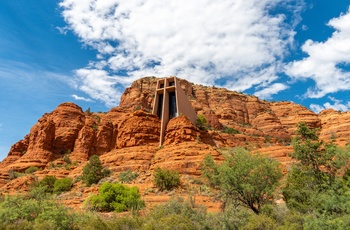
x=170, y=101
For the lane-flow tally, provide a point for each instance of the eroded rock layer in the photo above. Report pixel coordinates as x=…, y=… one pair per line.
x=127, y=137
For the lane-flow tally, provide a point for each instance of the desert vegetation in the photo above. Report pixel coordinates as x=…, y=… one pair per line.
x=93, y=171
x=166, y=179
x=314, y=194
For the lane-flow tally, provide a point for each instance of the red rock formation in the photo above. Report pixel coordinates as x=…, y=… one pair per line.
x=180, y=129
x=335, y=126
x=127, y=137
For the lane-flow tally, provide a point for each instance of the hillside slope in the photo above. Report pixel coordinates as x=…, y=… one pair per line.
x=127, y=137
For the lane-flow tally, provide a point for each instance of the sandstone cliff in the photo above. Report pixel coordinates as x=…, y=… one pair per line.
x=127, y=137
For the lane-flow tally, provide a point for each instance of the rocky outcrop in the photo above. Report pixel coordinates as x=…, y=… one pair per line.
x=185, y=157
x=127, y=137
x=290, y=114
x=224, y=108
x=138, y=128
x=335, y=126
x=180, y=129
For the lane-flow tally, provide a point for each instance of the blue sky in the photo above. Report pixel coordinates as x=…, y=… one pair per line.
x=88, y=51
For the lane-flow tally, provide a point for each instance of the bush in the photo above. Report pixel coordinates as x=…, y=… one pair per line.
x=19, y=212
x=63, y=185
x=176, y=214
x=48, y=183
x=13, y=174
x=244, y=177
x=56, y=217
x=116, y=197
x=67, y=159
x=128, y=176
x=93, y=172
x=166, y=179
x=260, y=222
x=230, y=130
x=202, y=122
x=31, y=169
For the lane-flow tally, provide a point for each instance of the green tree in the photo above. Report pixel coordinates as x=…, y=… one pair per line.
x=62, y=185
x=244, y=178
x=314, y=184
x=47, y=183
x=323, y=160
x=128, y=176
x=166, y=179
x=93, y=171
x=116, y=197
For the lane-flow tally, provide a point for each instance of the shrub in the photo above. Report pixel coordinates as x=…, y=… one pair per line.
x=22, y=212
x=260, y=222
x=166, y=179
x=93, y=172
x=202, y=122
x=67, y=159
x=63, y=185
x=176, y=214
x=128, y=176
x=230, y=130
x=116, y=197
x=56, y=217
x=250, y=179
x=31, y=169
x=13, y=174
x=48, y=183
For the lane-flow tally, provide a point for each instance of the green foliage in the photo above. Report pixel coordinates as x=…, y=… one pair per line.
x=314, y=185
x=231, y=218
x=166, y=179
x=128, y=176
x=13, y=174
x=260, y=222
x=323, y=160
x=116, y=197
x=93, y=171
x=66, y=159
x=202, y=122
x=176, y=214
x=244, y=178
x=25, y=212
x=31, y=169
x=18, y=212
x=230, y=130
x=48, y=183
x=62, y=185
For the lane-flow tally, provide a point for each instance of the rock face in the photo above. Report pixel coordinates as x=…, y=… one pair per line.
x=221, y=107
x=335, y=126
x=127, y=137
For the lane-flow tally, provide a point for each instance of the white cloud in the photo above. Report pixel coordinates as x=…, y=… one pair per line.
x=324, y=60
x=271, y=90
x=62, y=30
x=337, y=105
x=304, y=27
x=99, y=85
x=78, y=98
x=237, y=44
x=316, y=108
